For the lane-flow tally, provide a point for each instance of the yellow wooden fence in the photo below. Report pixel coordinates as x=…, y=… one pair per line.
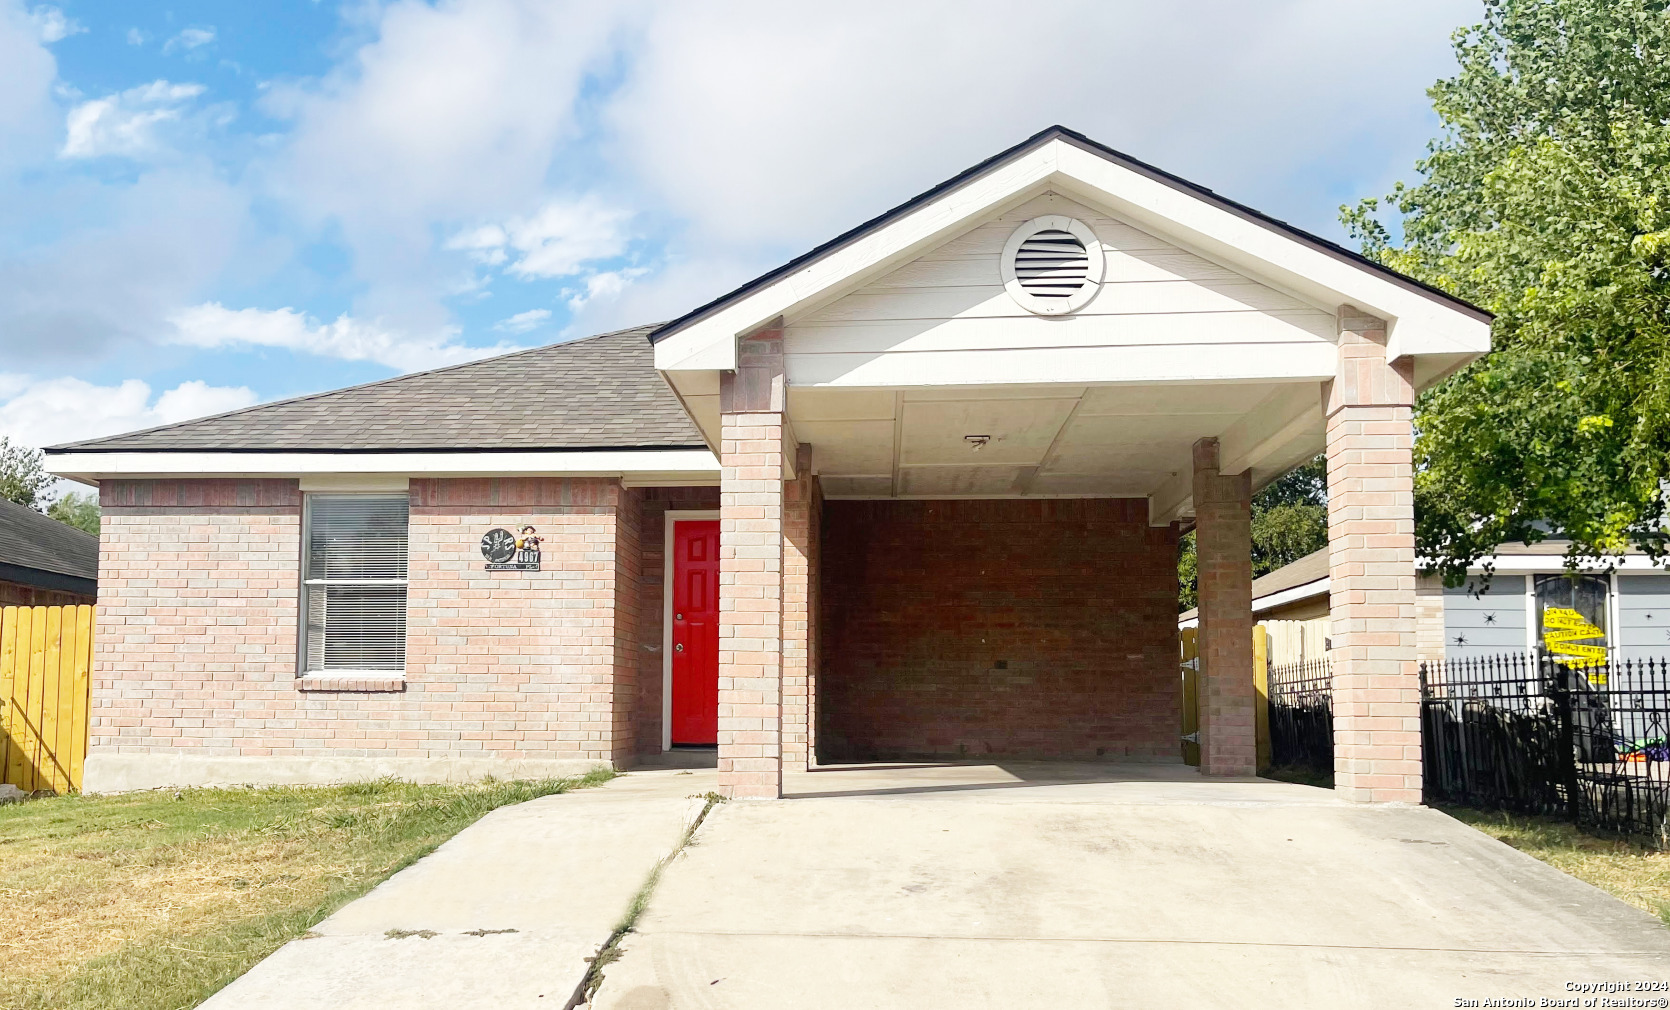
x=46, y=658
x=1190, y=659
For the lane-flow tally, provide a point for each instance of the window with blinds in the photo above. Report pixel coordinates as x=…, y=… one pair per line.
x=354, y=582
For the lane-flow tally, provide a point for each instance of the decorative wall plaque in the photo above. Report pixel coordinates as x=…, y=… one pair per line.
x=510, y=552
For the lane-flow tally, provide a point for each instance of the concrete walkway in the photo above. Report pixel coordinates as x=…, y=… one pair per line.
x=1088, y=886
x=517, y=902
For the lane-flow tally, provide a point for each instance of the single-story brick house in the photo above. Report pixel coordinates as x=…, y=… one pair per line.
x=43, y=562
x=915, y=493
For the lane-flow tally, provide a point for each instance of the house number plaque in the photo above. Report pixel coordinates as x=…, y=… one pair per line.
x=510, y=552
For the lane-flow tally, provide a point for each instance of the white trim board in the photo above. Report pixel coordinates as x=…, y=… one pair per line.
x=671, y=516
x=667, y=466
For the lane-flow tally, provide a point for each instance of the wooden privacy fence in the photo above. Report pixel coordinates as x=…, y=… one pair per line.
x=1293, y=642
x=46, y=657
x=1190, y=661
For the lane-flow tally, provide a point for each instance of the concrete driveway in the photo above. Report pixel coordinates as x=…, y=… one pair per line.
x=507, y=913
x=1034, y=886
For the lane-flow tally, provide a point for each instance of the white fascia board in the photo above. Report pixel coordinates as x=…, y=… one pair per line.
x=1286, y=596
x=1419, y=324
x=667, y=465
x=711, y=342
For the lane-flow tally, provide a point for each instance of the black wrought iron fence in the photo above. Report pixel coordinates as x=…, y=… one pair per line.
x=1531, y=734
x=1302, y=716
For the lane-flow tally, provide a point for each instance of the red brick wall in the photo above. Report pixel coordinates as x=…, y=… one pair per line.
x=195, y=641
x=923, y=600
x=517, y=663
x=197, y=634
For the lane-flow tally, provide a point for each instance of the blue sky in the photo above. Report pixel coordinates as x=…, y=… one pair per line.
x=206, y=205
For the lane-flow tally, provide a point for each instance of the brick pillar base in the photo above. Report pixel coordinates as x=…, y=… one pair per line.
x=1223, y=549
x=1371, y=568
x=751, y=572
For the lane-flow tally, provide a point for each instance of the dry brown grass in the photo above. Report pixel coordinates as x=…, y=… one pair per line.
x=159, y=899
x=1633, y=872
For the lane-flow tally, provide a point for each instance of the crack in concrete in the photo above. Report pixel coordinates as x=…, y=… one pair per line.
x=610, y=951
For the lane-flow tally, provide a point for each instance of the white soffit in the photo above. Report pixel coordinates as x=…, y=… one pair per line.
x=665, y=466
x=1420, y=323
x=1053, y=440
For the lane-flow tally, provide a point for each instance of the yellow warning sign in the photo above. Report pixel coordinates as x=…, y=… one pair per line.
x=1563, y=629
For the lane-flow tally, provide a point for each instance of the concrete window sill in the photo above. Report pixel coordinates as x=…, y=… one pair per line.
x=351, y=682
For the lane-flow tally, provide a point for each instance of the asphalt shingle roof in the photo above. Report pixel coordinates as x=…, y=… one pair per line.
x=601, y=392
x=31, y=540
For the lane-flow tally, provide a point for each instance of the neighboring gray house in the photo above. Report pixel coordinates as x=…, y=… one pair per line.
x=43, y=562
x=1629, y=606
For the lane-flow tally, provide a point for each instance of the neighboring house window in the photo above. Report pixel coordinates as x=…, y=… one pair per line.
x=354, y=582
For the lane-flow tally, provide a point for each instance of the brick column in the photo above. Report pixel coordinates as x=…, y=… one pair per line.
x=751, y=570
x=1223, y=549
x=1371, y=567
x=799, y=519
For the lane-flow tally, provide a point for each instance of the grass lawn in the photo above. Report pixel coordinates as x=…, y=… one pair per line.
x=153, y=901
x=1635, y=873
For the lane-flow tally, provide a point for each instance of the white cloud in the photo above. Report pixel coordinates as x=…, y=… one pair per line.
x=454, y=112
x=484, y=245
x=868, y=103
x=53, y=25
x=554, y=241
x=124, y=123
x=189, y=39
x=474, y=111
x=212, y=325
x=50, y=411
x=607, y=285
x=137, y=37
x=522, y=322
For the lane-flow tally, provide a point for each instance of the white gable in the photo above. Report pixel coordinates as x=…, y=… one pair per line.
x=1161, y=314
x=1131, y=199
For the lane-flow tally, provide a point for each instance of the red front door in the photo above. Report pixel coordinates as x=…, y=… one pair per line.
x=696, y=632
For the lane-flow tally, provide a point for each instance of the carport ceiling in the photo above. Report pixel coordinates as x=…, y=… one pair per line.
x=1058, y=440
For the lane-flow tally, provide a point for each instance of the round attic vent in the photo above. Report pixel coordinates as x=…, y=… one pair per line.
x=1052, y=265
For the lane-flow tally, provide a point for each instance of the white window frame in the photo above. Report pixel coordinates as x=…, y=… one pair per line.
x=302, y=670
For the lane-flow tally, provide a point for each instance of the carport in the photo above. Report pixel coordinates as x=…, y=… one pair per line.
x=959, y=444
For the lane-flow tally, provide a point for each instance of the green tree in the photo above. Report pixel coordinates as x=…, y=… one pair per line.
x=1547, y=201
x=79, y=510
x=22, y=478
x=1289, y=521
